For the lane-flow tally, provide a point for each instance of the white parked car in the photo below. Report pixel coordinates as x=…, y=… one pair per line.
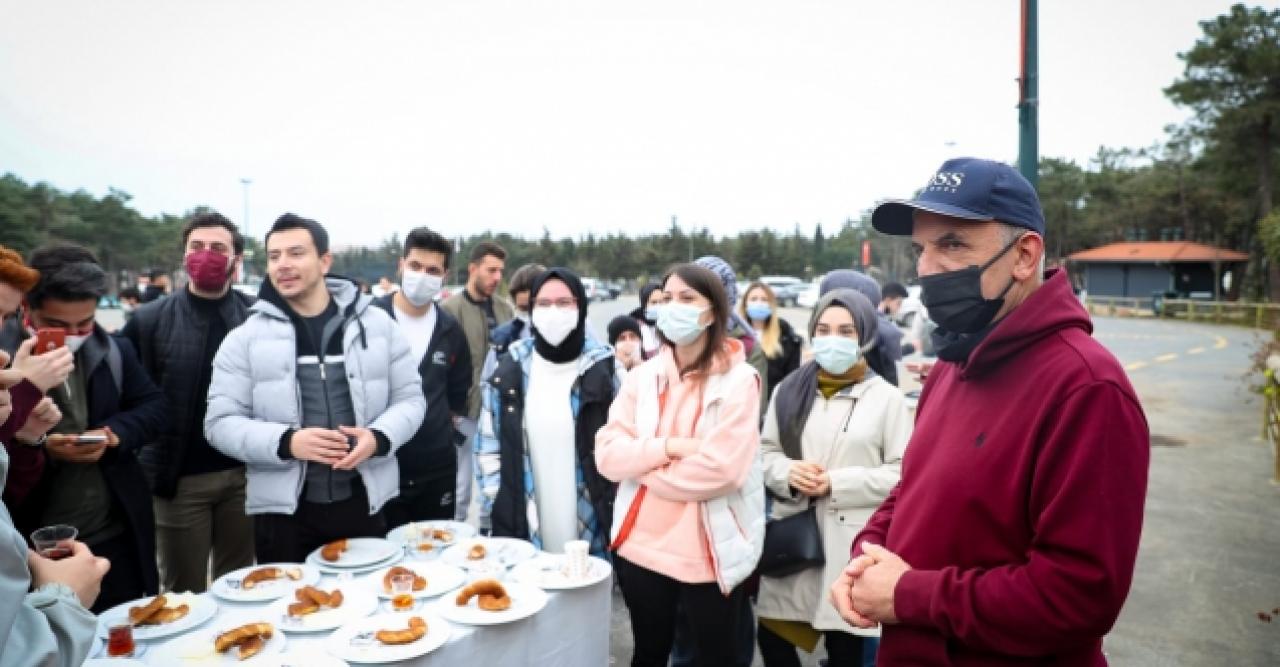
x=785, y=288
x=808, y=297
x=595, y=289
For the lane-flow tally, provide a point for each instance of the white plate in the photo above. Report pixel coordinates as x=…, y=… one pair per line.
x=504, y=551
x=358, y=601
x=460, y=530
x=526, y=601
x=441, y=579
x=197, y=649
x=114, y=662
x=339, y=643
x=202, y=609
x=361, y=552
x=360, y=571
x=264, y=590
x=545, y=572
x=311, y=656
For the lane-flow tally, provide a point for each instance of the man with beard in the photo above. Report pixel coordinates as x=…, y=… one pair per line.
x=99, y=488
x=479, y=309
x=198, y=492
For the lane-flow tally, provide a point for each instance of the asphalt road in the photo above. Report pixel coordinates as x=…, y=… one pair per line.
x=1209, y=560
x=1210, y=554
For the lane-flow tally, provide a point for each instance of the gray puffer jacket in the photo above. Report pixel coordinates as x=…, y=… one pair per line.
x=254, y=398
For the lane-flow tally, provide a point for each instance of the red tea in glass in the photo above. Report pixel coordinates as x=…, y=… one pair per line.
x=54, y=542
x=120, y=640
x=57, y=552
x=402, y=602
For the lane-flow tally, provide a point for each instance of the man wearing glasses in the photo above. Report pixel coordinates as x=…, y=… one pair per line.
x=535, y=456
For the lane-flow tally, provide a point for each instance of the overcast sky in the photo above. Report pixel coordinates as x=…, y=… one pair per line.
x=465, y=115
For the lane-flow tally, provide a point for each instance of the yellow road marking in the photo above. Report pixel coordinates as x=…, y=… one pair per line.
x=1166, y=357
x=1136, y=366
x=1195, y=350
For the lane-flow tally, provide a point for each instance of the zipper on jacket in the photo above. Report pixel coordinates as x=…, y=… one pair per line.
x=321, y=350
x=849, y=417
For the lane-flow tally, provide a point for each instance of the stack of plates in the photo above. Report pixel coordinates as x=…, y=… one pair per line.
x=363, y=555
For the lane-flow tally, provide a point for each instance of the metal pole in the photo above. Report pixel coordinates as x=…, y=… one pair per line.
x=1029, y=96
x=245, y=223
x=245, y=267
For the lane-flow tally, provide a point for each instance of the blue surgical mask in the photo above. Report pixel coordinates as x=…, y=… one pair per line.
x=835, y=354
x=679, y=323
x=759, y=310
x=652, y=313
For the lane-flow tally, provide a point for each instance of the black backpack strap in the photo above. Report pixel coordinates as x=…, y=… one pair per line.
x=115, y=363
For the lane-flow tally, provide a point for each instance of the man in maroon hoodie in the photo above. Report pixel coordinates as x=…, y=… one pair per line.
x=1012, y=536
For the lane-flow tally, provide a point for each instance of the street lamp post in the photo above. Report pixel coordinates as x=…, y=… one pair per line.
x=245, y=221
x=244, y=226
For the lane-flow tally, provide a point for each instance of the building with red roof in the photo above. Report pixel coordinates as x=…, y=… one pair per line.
x=1140, y=269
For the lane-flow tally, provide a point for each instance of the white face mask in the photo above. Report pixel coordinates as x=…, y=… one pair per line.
x=554, y=324
x=75, y=342
x=681, y=323
x=629, y=349
x=420, y=287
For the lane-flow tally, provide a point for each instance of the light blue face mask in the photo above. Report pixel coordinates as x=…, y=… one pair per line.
x=758, y=310
x=835, y=354
x=652, y=313
x=679, y=323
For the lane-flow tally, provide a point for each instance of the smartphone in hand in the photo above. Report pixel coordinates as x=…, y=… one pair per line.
x=89, y=439
x=48, y=340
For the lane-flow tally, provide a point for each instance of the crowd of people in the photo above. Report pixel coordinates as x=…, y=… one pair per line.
x=755, y=489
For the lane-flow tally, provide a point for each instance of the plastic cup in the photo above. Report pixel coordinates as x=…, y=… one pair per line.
x=402, y=592
x=55, y=542
x=577, y=559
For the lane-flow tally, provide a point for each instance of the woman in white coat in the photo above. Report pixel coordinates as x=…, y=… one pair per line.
x=834, y=436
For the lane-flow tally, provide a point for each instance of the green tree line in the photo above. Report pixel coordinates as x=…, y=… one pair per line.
x=1210, y=180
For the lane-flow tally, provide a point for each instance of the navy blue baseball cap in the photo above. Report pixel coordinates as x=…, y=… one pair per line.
x=971, y=189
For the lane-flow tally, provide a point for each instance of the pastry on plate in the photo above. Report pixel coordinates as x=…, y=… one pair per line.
x=492, y=596
x=419, y=581
x=270, y=574
x=249, y=638
x=333, y=550
x=156, y=613
x=417, y=630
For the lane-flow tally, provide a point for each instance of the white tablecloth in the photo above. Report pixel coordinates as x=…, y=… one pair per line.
x=572, y=630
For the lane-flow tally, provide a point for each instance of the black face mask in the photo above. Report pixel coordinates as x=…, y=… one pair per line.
x=954, y=299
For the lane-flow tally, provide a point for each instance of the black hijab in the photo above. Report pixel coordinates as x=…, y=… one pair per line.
x=645, y=293
x=620, y=325
x=570, y=348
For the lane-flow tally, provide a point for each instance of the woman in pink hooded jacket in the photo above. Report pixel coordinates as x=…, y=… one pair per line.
x=683, y=443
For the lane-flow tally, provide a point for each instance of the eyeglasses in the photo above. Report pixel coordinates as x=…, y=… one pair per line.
x=567, y=302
